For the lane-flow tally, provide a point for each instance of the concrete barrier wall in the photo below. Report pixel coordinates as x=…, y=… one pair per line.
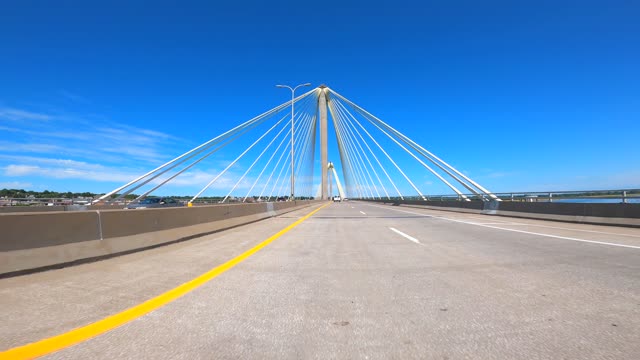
x=588, y=213
x=37, y=240
x=574, y=209
x=36, y=230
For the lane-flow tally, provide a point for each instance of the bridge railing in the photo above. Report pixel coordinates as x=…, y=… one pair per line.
x=589, y=196
x=609, y=207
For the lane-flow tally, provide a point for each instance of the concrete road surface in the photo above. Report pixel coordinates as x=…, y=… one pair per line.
x=354, y=281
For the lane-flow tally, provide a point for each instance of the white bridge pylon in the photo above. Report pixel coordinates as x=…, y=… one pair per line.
x=377, y=161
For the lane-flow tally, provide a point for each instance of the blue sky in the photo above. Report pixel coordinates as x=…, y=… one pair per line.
x=520, y=95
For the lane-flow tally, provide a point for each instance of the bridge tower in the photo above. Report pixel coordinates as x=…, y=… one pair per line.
x=322, y=108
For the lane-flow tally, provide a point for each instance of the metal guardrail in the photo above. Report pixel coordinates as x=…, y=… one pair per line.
x=590, y=196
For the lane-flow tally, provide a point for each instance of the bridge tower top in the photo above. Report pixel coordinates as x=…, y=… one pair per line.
x=322, y=109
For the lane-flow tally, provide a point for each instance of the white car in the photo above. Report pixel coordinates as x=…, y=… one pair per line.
x=336, y=198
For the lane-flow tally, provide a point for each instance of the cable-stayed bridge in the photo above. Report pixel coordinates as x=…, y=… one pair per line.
x=372, y=155
x=392, y=273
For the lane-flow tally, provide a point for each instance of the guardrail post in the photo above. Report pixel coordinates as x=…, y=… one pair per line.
x=550, y=197
x=624, y=197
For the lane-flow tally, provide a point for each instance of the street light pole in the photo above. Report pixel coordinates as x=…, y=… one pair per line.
x=293, y=91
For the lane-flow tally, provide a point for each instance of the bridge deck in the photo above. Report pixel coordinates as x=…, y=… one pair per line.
x=355, y=280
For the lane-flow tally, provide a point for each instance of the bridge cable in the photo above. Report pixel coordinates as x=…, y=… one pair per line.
x=301, y=147
x=285, y=152
x=181, y=171
x=206, y=144
x=360, y=154
x=284, y=138
x=354, y=120
x=345, y=161
x=350, y=150
x=233, y=162
x=288, y=139
x=390, y=159
x=349, y=172
x=460, y=194
x=274, y=170
x=260, y=156
x=305, y=153
x=353, y=131
x=419, y=148
x=256, y=160
x=467, y=186
x=312, y=152
x=298, y=150
x=227, y=141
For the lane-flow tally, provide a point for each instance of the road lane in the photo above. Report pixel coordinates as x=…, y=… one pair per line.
x=86, y=293
x=342, y=285
x=408, y=237
x=625, y=237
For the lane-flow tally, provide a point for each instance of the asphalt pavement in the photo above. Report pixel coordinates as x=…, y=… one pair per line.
x=354, y=281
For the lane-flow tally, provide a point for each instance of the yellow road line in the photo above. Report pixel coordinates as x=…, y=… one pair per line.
x=59, y=342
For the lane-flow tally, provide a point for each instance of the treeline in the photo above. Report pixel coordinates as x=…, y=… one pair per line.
x=20, y=193
x=46, y=194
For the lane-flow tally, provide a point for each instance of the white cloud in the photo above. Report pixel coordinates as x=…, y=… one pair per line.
x=54, y=162
x=17, y=114
x=6, y=128
x=6, y=146
x=136, y=152
x=15, y=185
x=133, y=134
x=154, y=133
x=64, y=169
x=497, y=174
x=73, y=136
x=71, y=169
x=74, y=97
x=20, y=170
x=103, y=175
x=112, y=155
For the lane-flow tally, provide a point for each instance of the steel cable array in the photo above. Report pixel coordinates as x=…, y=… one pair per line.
x=376, y=160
